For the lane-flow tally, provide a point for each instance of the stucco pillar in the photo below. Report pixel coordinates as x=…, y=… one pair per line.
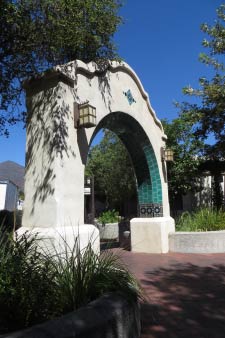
x=54, y=179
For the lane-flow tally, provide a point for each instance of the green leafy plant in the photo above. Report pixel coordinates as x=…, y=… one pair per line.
x=109, y=216
x=83, y=275
x=27, y=284
x=84, y=31
x=36, y=286
x=204, y=219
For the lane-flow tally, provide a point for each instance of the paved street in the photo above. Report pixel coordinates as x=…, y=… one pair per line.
x=185, y=294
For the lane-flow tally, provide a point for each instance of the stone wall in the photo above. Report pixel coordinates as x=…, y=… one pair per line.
x=110, y=316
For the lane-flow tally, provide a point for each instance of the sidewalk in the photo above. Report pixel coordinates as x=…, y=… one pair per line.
x=185, y=294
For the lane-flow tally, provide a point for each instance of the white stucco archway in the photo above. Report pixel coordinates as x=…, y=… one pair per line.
x=56, y=150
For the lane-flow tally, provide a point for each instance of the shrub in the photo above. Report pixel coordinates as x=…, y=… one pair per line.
x=7, y=220
x=27, y=284
x=83, y=276
x=204, y=219
x=109, y=216
x=10, y=220
x=37, y=286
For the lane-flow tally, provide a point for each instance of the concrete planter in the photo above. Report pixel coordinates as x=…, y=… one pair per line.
x=197, y=242
x=108, y=231
x=109, y=316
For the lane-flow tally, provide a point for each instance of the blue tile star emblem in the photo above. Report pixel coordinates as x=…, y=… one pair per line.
x=129, y=96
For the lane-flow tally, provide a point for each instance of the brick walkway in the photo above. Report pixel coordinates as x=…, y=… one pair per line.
x=185, y=294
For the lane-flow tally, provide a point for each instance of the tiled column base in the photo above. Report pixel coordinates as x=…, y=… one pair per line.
x=150, y=210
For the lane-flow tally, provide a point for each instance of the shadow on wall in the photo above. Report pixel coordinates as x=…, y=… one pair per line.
x=49, y=131
x=185, y=301
x=103, y=77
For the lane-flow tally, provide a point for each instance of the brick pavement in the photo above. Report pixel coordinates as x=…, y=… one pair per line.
x=185, y=294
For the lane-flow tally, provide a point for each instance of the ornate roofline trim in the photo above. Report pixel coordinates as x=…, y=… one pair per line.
x=67, y=73
x=92, y=69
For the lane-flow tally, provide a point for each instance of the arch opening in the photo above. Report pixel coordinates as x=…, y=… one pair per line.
x=110, y=167
x=137, y=143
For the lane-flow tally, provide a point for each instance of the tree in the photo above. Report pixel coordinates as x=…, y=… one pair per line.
x=38, y=34
x=114, y=175
x=183, y=172
x=209, y=115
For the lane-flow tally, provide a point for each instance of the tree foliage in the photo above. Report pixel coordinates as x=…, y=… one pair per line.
x=38, y=34
x=183, y=172
x=209, y=115
x=114, y=176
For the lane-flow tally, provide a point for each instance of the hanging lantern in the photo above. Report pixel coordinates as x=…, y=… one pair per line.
x=167, y=154
x=84, y=115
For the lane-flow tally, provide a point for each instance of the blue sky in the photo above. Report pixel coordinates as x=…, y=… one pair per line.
x=161, y=41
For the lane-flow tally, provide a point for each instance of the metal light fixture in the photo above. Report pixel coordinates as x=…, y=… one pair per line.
x=84, y=115
x=167, y=154
x=87, y=180
x=87, y=185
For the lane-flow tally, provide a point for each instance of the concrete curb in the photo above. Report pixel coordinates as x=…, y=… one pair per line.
x=197, y=242
x=109, y=316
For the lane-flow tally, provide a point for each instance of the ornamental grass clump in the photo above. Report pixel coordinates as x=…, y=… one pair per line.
x=27, y=284
x=36, y=286
x=83, y=276
x=205, y=219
